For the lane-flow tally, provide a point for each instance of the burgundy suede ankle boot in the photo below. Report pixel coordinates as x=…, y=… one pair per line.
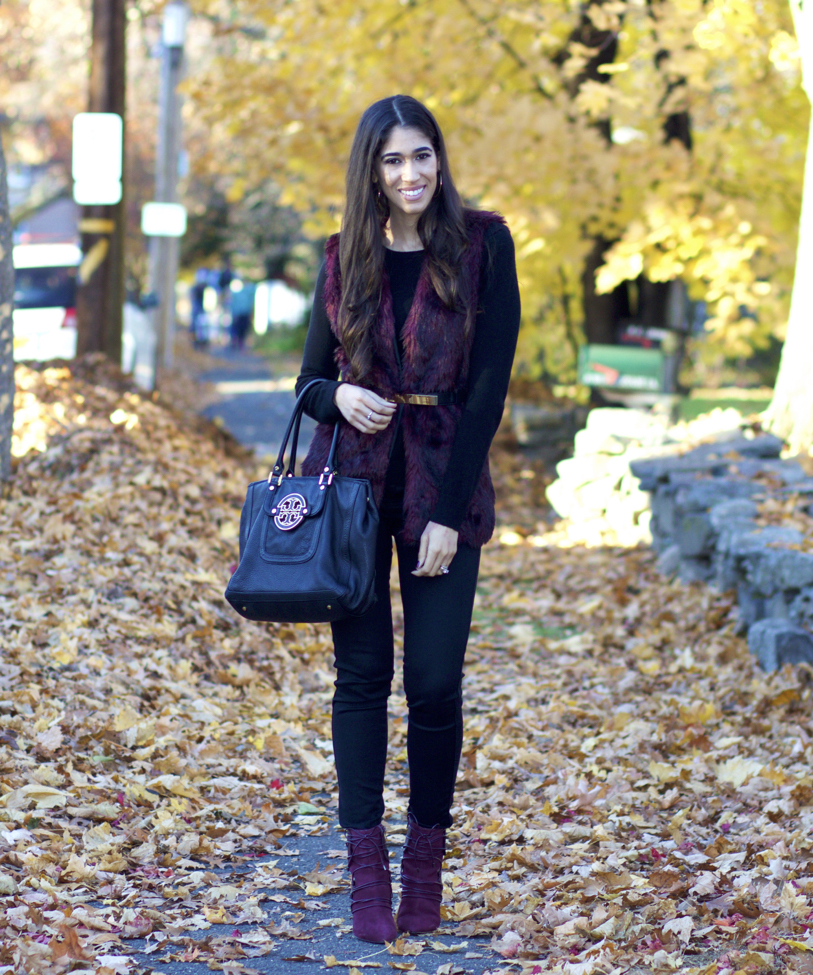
x=421, y=885
x=371, y=894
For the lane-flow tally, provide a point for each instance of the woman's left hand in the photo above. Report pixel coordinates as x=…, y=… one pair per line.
x=438, y=547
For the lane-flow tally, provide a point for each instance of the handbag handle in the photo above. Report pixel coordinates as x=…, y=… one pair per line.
x=293, y=425
x=291, y=471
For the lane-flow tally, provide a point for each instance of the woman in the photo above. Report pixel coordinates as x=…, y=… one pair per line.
x=413, y=329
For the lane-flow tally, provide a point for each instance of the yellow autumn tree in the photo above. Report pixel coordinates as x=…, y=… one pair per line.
x=528, y=130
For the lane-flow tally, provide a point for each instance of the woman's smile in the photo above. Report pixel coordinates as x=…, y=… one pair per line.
x=412, y=194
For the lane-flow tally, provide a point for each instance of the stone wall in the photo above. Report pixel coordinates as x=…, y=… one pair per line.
x=706, y=523
x=597, y=494
x=635, y=479
x=546, y=430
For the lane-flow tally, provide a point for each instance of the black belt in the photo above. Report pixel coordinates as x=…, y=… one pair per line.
x=429, y=399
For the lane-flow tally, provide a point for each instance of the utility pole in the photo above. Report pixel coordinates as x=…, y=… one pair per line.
x=100, y=295
x=163, y=269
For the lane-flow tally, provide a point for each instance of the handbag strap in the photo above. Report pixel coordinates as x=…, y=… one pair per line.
x=294, y=444
x=331, y=461
x=293, y=426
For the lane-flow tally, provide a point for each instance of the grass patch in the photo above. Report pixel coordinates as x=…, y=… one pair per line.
x=747, y=400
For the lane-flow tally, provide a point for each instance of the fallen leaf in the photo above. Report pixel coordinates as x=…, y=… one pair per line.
x=332, y=962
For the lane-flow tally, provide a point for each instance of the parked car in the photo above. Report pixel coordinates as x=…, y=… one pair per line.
x=45, y=311
x=45, y=301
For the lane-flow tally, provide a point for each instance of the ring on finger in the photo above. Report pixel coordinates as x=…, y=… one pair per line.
x=444, y=570
x=370, y=415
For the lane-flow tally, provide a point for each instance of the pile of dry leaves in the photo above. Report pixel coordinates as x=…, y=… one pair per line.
x=145, y=733
x=635, y=795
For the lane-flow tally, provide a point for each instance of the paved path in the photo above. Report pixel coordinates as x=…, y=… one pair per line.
x=316, y=932
x=256, y=399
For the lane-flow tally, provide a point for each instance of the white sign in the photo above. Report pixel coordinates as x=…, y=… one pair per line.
x=173, y=30
x=97, y=158
x=163, y=220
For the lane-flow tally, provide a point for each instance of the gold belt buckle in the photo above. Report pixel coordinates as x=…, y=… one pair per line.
x=416, y=399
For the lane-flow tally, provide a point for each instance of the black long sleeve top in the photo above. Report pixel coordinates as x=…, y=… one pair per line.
x=492, y=354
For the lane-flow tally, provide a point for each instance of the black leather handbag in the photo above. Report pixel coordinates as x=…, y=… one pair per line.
x=307, y=544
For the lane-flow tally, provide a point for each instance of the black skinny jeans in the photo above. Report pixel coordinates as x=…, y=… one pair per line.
x=437, y=618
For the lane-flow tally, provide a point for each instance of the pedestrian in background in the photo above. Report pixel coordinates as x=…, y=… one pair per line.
x=199, y=323
x=222, y=281
x=243, y=294
x=413, y=331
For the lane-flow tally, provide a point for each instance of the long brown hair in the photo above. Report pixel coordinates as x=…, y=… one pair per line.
x=441, y=227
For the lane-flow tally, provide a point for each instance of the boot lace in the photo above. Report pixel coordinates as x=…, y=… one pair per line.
x=421, y=854
x=365, y=854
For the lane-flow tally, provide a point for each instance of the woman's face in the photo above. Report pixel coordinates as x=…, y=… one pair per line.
x=407, y=170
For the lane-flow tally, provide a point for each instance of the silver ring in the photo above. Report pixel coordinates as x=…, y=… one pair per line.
x=444, y=569
x=370, y=415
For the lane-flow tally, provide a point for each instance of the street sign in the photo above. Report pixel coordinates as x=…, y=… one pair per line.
x=97, y=158
x=163, y=220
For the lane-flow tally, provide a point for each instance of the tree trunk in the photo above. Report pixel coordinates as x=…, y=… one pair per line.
x=790, y=414
x=100, y=295
x=6, y=326
x=599, y=309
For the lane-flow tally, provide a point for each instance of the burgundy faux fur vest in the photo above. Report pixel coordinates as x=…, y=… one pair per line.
x=436, y=359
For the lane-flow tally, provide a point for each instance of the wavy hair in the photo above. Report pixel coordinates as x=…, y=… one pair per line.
x=441, y=227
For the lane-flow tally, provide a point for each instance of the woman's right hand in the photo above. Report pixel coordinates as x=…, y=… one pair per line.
x=363, y=409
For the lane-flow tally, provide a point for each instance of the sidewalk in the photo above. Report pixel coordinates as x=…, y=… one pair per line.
x=254, y=399
x=309, y=926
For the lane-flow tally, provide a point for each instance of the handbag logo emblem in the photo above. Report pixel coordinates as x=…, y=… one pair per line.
x=290, y=512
